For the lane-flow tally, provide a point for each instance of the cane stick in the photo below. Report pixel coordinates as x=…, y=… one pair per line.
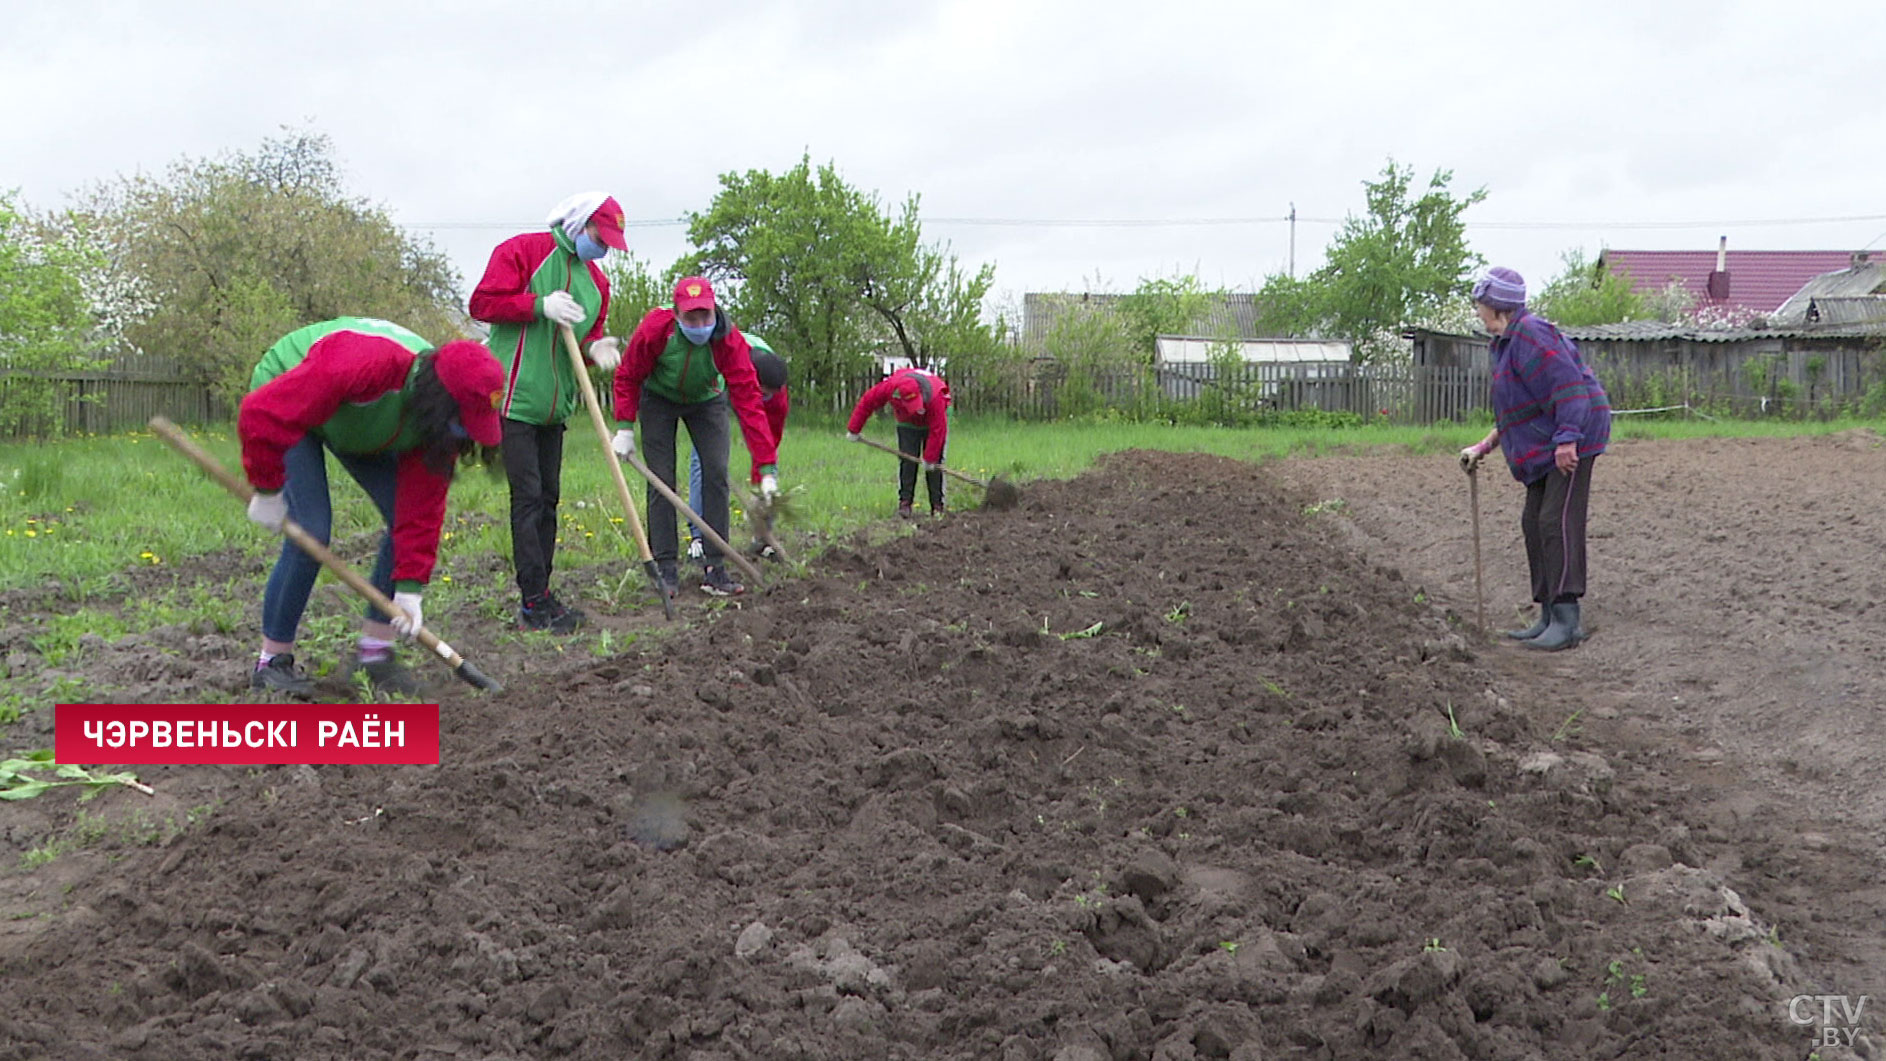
x=1479, y=594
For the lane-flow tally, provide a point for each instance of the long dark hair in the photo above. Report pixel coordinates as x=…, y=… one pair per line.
x=433, y=410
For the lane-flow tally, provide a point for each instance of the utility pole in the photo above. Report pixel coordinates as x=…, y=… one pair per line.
x=1293, y=241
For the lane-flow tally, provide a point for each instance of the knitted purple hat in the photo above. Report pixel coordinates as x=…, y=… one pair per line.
x=1501, y=289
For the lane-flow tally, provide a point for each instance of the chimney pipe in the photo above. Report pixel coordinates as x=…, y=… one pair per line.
x=1718, y=287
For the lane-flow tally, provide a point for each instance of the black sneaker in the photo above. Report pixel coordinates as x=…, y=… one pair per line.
x=939, y=510
x=388, y=675
x=905, y=510
x=545, y=612
x=715, y=582
x=282, y=676
x=567, y=613
x=670, y=580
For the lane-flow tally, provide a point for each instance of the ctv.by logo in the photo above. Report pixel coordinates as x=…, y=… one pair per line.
x=1839, y=1017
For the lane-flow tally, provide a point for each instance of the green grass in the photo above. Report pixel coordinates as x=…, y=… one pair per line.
x=88, y=510
x=1638, y=427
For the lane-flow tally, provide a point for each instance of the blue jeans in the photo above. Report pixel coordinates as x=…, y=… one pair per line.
x=310, y=505
x=694, y=493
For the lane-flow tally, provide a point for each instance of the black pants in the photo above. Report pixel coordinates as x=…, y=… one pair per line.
x=911, y=440
x=1554, y=526
x=533, y=462
x=707, y=429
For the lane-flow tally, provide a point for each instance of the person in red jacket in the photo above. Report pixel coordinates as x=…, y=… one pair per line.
x=536, y=284
x=399, y=416
x=687, y=365
x=771, y=369
x=920, y=401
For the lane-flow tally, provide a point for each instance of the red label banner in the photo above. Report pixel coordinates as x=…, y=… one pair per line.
x=246, y=734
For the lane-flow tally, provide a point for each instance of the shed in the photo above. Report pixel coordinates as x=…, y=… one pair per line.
x=1845, y=296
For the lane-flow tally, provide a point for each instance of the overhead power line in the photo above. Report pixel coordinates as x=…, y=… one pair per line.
x=1210, y=222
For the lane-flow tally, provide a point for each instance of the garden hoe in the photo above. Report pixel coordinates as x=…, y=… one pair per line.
x=615, y=468
x=997, y=492
x=311, y=545
x=694, y=517
x=641, y=538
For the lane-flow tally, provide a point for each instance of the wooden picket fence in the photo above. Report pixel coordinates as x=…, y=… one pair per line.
x=124, y=396
x=132, y=389
x=1399, y=394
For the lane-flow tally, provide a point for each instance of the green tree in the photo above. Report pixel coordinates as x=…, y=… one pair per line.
x=1585, y=293
x=1401, y=261
x=1287, y=306
x=46, y=324
x=829, y=277
x=930, y=306
x=236, y=251
x=1164, y=306
x=777, y=246
x=634, y=289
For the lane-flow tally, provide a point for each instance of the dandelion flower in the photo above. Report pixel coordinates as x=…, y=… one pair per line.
x=32, y=534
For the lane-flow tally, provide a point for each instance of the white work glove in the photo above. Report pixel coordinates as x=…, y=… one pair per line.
x=270, y=510
x=607, y=353
x=560, y=308
x=408, y=623
x=853, y=436
x=929, y=467
x=769, y=488
x=623, y=443
x=1470, y=458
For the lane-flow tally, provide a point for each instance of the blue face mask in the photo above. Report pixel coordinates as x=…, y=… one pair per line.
x=697, y=336
x=588, y=249
x=458, y=430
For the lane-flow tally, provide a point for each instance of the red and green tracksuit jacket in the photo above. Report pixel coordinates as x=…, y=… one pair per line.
x=539, y=382
x=661, y=360
x=347, y=382
x=918, y=398
x=778, y=405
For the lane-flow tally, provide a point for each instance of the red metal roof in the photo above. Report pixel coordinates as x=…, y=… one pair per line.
x=1759, y=280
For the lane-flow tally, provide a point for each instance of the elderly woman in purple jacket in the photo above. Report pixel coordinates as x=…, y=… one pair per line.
x=1553, y=420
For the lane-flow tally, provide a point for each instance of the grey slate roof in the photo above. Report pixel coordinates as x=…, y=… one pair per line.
x=1861, y=309
x=1660, y=331
x=1655, y=331
x=1859, y=281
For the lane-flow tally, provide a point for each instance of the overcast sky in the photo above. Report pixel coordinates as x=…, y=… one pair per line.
x=1585, y=122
